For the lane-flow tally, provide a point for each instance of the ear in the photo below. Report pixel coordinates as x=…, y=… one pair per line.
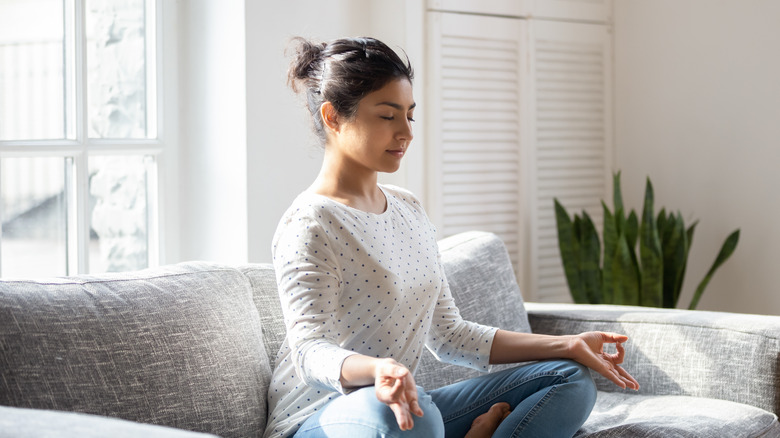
x=330, y=117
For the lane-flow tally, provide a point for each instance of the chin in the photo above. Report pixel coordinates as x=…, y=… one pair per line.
x=392, y=169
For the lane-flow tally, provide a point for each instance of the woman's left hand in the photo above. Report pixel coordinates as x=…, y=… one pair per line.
x=588, y=349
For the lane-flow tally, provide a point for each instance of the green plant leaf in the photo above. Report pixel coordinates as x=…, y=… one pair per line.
x=725, y=252
x=660, y=223
x=590, y=256
x=617, y=193
x=651, y=293
x=625, y=280
x=570, y=251
x=610, y=247
x=632, y=235
x=674, y=242
x=689, y=237
x=632, y=230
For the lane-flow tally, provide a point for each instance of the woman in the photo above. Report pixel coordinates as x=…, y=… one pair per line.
x=363, y=291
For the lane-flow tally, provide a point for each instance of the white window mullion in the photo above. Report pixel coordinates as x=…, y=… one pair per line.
x=70, y=101
x=71, y=217
x=152, y=8
x=82, y=130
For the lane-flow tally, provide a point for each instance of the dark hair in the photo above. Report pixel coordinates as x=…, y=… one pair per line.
x=342, y=72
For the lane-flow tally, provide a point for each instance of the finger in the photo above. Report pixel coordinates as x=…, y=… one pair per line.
x=400, y=372
x=402, y=416
x=415, y=408
x=608, y=371
x=410, y=391
x=613, y=338
x=389, y=390
x=397, y=390
x=615, y=358
x=393, y=370
x=414, y=405
x=623, y=373
x=621, y=354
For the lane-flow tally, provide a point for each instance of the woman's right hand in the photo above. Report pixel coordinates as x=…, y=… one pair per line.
x=395, y=387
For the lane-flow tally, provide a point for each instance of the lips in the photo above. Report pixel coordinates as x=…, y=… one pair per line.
x=399, y=153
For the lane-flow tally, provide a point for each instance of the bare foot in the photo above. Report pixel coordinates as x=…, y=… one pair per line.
x=484, y=425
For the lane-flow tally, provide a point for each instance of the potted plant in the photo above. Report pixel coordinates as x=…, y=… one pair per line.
x=653, y=277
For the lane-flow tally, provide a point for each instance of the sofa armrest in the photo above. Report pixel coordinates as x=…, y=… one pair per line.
x=726, y=356
x=34, y=423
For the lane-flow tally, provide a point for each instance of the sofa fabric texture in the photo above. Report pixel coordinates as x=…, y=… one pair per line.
x=179, y=346
x=618, y=415
x=674, y=352
x=191, y=346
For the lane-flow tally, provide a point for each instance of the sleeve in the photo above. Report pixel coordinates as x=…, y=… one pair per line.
x=454, y=340
x=309, y=281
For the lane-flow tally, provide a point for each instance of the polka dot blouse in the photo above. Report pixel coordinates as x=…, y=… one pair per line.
x=355, y=282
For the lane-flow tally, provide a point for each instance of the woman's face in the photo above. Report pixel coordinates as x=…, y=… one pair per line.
x=378, y=135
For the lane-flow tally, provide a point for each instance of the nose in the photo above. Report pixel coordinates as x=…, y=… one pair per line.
x=405, y=131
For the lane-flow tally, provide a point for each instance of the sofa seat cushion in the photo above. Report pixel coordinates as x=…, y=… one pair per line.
x=629, y=415
x=177, y=346
x=36, y=423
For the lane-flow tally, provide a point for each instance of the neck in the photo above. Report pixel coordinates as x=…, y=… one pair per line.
x=355, y=187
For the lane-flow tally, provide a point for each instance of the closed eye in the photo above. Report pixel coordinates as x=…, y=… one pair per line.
x=393, y=118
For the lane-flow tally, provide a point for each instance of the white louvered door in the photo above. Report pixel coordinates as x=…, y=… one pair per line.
x=476, y=115
x=519, y=112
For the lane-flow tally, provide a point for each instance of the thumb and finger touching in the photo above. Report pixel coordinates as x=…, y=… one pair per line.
x=396, y=388
x=608, y=364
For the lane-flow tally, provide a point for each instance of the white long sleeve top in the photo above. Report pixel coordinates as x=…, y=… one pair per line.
x=355, y=282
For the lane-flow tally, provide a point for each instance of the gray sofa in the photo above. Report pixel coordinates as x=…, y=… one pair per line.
x=187, y=350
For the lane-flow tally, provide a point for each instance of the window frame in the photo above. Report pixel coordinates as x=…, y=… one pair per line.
x=80, y=147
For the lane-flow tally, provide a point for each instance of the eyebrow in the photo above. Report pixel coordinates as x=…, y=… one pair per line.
x=396, y=106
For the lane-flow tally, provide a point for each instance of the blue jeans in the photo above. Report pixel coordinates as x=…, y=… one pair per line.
x=548, y=399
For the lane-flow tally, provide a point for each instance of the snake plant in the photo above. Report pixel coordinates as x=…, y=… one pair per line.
x=616, y=274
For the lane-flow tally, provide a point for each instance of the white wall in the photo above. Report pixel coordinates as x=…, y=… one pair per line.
x=697, y=106
x=283, y=155
x=212, y=175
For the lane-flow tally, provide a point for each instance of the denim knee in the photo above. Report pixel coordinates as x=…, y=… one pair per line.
x=430, y=424
x=582, y=387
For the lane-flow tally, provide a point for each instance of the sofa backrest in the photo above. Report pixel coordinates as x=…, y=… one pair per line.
x=266, y=299
x=177, y=346
x=484, y=286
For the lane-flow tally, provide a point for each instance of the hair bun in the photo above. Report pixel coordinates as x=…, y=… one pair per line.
x=306, y=63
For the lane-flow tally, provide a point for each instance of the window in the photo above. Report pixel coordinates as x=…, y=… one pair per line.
x=79, y=136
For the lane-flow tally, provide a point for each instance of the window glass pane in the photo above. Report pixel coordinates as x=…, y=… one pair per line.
x=34, y=217
x=117, y=50
x=119, y=191
x=31, y=70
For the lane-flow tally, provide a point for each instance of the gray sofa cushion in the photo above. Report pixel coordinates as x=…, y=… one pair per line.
x=179, y=346
x=485, y=289
x=266, y=298
x=37, y=423
x=618, y=415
